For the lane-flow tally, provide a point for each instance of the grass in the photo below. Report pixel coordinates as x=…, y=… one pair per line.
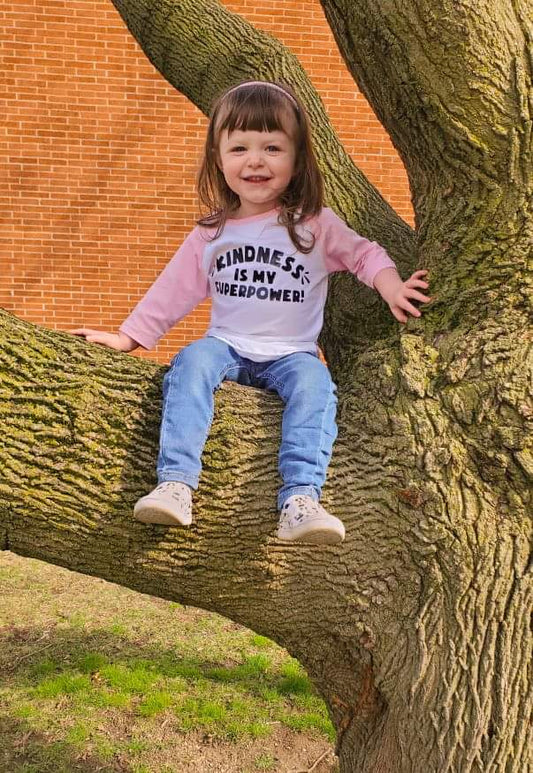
x=246, y=699
x=96, y=677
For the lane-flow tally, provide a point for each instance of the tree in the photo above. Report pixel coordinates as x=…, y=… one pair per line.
x=417, y=630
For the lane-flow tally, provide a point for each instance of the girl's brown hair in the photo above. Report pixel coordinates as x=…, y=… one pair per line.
x=262, y=106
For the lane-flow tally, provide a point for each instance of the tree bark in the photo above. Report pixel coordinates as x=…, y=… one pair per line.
x=417, y=630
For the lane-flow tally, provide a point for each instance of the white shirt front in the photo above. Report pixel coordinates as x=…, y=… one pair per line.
x=267, y=298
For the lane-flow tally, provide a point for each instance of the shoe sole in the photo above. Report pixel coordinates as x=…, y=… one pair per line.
x=321, y=534
x=146, y=513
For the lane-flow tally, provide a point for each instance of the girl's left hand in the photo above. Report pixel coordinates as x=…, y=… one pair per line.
x=405, y=292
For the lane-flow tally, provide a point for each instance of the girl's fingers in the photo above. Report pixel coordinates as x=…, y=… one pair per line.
x=416, y=296
x=94, y=336
x=412, y=288
x=83, y=331
x=406, y=306
x=399, y=314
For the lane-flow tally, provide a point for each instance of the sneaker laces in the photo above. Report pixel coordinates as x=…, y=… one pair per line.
x=176, y=489
x=169, y=485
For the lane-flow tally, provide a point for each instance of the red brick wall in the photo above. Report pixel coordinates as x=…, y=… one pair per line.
x=99, y=156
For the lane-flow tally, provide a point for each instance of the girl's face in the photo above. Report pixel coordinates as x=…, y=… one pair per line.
x=258, y=166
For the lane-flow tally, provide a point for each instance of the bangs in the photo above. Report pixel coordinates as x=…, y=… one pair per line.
x=256, y=109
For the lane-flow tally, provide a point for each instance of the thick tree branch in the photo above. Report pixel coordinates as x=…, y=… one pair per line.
x=79, y=428
x=452, y=82
x=454, y=111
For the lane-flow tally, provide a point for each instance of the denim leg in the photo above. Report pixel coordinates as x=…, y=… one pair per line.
x=308, y=428
x=188, y=404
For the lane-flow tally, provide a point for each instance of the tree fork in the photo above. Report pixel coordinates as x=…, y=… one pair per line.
x=192, y=43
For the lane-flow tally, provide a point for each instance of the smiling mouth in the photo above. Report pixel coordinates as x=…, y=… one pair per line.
x=256, y=179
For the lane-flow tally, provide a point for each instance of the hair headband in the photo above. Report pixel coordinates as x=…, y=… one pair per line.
x=270, y=86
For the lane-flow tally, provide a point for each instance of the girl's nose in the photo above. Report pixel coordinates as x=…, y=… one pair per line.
x=255, y=159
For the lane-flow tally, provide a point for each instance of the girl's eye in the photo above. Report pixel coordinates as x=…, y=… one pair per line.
x=238, y=149
x=273, y=149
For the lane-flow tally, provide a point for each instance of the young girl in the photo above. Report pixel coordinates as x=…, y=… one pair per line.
x=263, y=254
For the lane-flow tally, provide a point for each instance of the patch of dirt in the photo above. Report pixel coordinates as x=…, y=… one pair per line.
x=286, y=752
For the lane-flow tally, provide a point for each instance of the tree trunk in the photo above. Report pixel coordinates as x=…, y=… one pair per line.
x=417, y=629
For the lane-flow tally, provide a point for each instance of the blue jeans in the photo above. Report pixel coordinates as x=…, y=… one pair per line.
x=301, y=380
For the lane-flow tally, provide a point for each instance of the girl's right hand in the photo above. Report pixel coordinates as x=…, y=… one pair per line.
x=119, y=341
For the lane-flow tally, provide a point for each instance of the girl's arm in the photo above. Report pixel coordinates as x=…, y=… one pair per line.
x=344, y=249
x=399, y=294
x=119, y=341
x=177, y=290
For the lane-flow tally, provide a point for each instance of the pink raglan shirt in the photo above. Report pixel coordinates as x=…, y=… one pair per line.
x=267, y=298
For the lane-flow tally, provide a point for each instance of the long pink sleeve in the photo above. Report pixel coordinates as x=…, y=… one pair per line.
x=344, y=249
x=180, y=287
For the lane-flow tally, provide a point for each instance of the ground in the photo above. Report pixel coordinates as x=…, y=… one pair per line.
x=96, y=677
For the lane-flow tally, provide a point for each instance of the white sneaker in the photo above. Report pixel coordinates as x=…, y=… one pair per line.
x=170, y=504
x=304, y=520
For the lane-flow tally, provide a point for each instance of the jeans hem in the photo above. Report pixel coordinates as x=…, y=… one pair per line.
x=178, y=477
x=308, y=491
